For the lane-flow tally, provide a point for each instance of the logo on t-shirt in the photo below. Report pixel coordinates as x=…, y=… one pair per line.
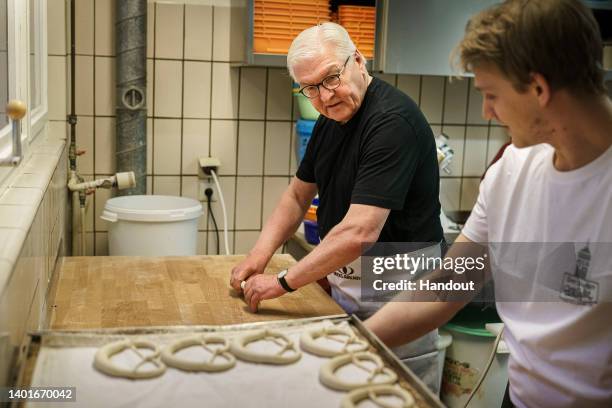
x=576, y=288
x=346, y=272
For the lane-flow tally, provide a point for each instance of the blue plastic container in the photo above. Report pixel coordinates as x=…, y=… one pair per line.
x=311, y=232
x=303, y=129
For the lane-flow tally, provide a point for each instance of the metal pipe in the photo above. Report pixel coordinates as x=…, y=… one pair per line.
x=131, y=46
x=72, y=119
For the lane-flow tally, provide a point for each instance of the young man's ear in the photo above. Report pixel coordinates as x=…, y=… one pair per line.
x=539, y=86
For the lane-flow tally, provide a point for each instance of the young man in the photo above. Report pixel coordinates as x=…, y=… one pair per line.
x=538, y=65
x=372, y=159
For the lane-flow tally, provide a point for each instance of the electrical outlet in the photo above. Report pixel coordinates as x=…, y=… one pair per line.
x=204, y=183
x=206, y=164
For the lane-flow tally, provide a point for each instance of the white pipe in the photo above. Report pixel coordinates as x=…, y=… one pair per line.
x=75, y=223
x=214, y=175
x=76, y=185
x=121, y=180
x=73, y=180
x=83, y=253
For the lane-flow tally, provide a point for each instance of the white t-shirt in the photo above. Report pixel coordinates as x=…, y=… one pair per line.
x=561, y=352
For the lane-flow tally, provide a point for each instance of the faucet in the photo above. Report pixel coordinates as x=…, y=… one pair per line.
x=15, y=110
x=119, y=180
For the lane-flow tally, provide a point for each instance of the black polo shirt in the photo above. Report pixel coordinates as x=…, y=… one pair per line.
x=384, y=156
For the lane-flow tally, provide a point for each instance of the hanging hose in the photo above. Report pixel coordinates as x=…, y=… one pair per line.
x=486, y=368
x=212, y=216
x=225, y=238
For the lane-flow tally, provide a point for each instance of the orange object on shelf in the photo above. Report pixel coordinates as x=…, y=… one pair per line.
x=271, y=45
x=360, y=22
x=357, y=10
x=277, y=22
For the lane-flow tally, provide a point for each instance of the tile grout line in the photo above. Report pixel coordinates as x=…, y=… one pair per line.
x=263, y=164
x=210, y=135
x=154, y=29
x=467, y=110
x=236, y=145
x=182, y=127
x=463, y=155
x=95, y=199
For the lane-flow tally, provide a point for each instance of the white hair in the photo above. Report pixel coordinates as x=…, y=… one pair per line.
x=319, y=39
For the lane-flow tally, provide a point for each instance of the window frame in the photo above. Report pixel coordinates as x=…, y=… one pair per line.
x=38, y=116
x=19, y=81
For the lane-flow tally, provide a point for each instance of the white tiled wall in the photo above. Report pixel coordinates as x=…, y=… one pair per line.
x=33, y=215
x=199, y=105
x=33, y=206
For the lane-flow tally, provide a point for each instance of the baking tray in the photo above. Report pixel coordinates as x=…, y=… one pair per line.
x=423, y=396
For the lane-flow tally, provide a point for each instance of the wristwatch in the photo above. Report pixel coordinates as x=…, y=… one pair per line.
x=281, y=279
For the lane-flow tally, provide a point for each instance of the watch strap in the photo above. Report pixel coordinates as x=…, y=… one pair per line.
x=283, y=282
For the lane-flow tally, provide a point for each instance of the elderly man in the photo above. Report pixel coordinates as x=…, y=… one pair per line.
x=372, y=159
x=538, y=65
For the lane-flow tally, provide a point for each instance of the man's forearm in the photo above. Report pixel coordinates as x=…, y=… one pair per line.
x=340, y=247
x=397, y=323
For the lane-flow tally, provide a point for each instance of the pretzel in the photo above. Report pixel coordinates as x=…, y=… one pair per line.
x=240, y=350
x=327, y=374
x=353, y=398
x=103, y=363
x=168, y=354
x=308, y=341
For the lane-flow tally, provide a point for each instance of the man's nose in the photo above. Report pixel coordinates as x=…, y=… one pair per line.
x=487, y=111
x=325, y=94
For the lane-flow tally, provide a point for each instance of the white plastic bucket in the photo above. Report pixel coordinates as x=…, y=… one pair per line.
x=444, y=341
x=466, y=359
x=149, y=225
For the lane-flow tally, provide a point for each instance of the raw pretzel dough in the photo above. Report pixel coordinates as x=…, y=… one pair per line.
x=240, y=350
x=308, y=341
x=353, y=398
x=103, y=363
x=328, y=376
x=168, y=354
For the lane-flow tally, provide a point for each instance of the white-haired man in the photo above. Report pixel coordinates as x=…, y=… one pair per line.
x=372, y=160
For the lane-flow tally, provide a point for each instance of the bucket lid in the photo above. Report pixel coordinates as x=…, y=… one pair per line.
x=472, y=320
x=152, y=208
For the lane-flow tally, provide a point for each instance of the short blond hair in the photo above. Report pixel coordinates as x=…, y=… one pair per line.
x=558, y=39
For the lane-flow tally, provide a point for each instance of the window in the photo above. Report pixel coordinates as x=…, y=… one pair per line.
x=37, y=67
x=34, y=57
x=23, y=70
x=4, y=71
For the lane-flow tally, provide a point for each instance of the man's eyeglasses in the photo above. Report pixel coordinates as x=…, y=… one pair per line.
x=330, y=83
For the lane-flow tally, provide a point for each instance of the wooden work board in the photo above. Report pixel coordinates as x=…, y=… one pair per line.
x=107, y=292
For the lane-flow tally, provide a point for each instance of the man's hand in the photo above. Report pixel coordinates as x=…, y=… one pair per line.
x=261, y=287
x=243, y=270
